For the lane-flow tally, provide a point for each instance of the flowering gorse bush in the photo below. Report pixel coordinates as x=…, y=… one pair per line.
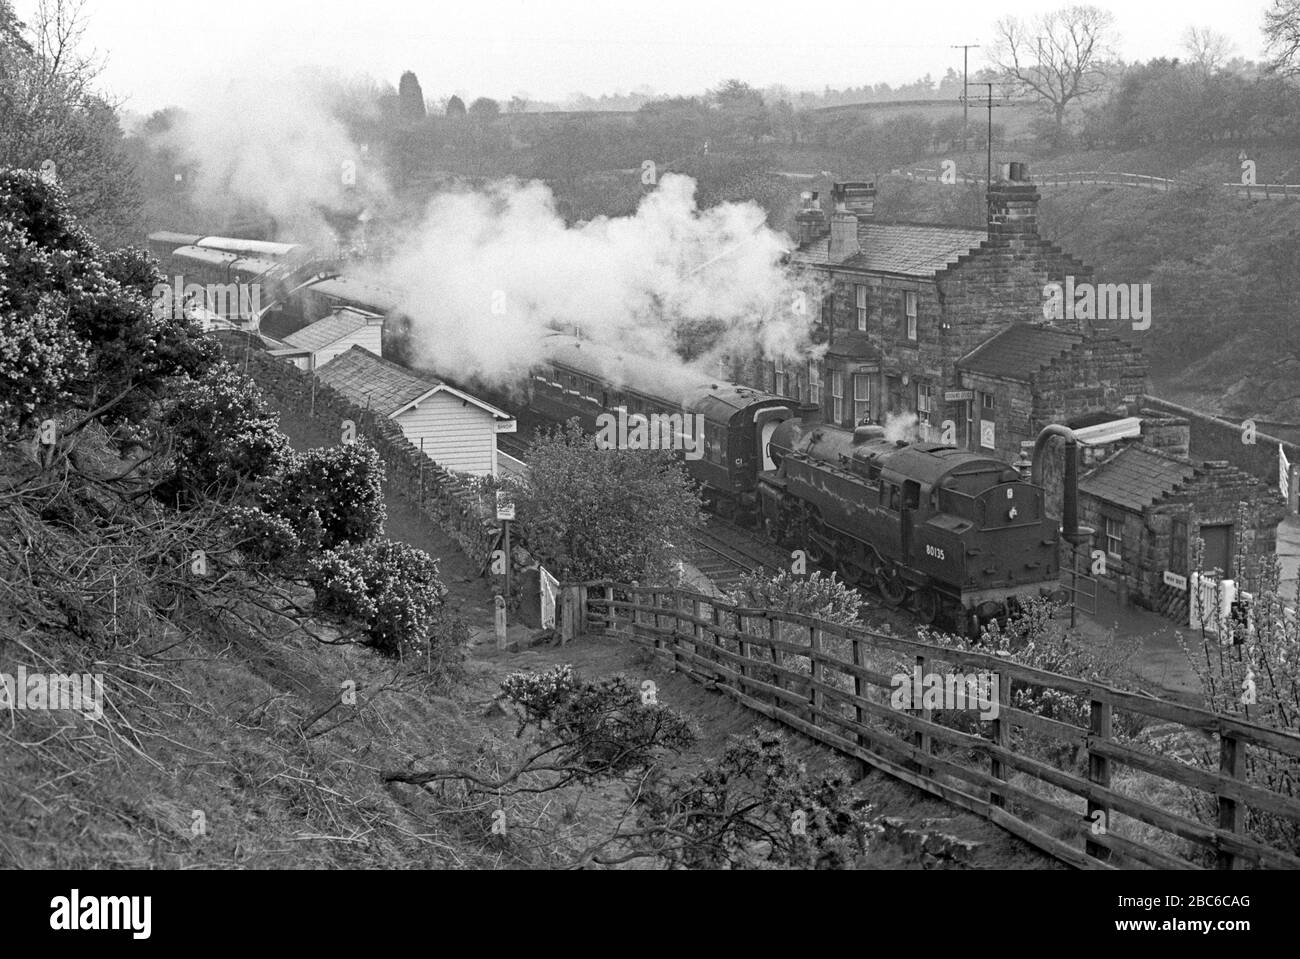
x=331, y=496
x=393, y=591
x=224, y=438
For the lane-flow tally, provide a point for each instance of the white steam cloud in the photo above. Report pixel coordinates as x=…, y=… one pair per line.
x=902, y=427
x=492, y=274
x=278, y=147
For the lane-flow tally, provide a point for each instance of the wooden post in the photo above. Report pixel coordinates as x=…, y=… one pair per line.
x=610, y=622
x=774, y=633
x=1232, y=814
x=922, y=739
x=568, y=614
x=817, y=697
x=500, y=623
x=1001, y=736
x=744, y=653
x=422, y=473
x=678, y=600
x=714, y=641
x=1100, y=725
x=655, y=598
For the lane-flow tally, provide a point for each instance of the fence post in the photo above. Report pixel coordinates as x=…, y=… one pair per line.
x=774, y=634
x=815, y=671
x=1232, y=814
x=1001, y=737
x=655, y=598
x=922, y=739
x=569, y=615
x=744, y=653
x=858, y=689
x=1100, y=724
x=716, y=639
x=610, y=622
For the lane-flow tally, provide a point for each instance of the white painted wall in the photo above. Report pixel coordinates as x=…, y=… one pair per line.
x=457, y=435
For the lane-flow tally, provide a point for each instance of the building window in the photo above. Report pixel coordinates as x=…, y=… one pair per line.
x=814, y=384
x=779, y=381
x=860, y=295
x=909, y=307
x=828, y=310
x=924, y=401
x=861, y=398
x=1114, y=537
x=837, y=396
x=986, y=401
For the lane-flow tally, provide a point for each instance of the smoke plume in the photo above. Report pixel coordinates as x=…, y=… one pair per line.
x=492, y=274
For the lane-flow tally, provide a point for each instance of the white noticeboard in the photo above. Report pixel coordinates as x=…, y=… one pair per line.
x=550, y=587
x=505, y=507
x=988, y=436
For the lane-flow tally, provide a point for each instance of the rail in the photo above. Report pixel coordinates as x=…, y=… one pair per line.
x=832, y=683
x=1261, y=191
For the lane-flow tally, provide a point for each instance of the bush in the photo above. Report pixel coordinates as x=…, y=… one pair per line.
x=263, y=537
x=224, y=438
x=331, y=497
x=392, y=590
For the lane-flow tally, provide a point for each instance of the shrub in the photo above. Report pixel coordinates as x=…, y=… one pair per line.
x=392, y=590
x=331, y=497
x=223, y=436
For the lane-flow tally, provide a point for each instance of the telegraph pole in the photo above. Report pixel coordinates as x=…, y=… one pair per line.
x=965, y=49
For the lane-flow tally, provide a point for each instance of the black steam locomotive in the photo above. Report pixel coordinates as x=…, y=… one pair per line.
x=952, y=533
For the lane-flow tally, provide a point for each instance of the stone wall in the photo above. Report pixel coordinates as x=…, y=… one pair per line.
x=1214, y=438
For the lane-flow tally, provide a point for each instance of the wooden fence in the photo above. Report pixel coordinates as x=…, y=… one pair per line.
x=834, y=683
x=1261, y=191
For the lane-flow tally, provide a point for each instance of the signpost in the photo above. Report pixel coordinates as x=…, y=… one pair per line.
x=1176, y=581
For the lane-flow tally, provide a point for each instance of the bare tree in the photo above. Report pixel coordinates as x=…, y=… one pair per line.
x=1207, y=49
x=1058, y=57
x=1282, y=37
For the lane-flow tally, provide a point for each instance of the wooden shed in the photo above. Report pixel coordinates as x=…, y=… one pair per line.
x=458, y=431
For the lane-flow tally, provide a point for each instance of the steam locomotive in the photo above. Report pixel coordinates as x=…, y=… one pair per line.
x=958, y=537
x=952, y=533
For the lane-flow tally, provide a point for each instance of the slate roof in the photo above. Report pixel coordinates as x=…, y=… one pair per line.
x=386, y=387
x=1019, y=351
x=360, y=375
x=1136, y=477
x=905, y=249
x=329, y=330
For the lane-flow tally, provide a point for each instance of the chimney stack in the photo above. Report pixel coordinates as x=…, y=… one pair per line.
x=810, y=221
x=844, y=221
x=1013, y=203
x=1168, y=434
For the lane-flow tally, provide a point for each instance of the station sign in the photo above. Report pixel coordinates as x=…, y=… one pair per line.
x=1176, y=581
x=956, y=396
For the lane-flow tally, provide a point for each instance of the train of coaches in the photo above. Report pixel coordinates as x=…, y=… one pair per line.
x=956, y=536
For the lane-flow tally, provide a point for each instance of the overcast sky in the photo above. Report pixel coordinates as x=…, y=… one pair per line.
x=162, y=52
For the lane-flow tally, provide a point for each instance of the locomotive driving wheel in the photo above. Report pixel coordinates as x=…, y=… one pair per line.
x=927, y=606
x=892, y=588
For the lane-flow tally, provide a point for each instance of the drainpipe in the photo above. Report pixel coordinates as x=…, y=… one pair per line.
x=1073, y=534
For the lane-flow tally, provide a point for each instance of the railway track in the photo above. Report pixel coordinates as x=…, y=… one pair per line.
x=727, y=554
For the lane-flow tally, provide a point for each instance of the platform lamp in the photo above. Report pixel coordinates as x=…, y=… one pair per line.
x=1073, y=533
